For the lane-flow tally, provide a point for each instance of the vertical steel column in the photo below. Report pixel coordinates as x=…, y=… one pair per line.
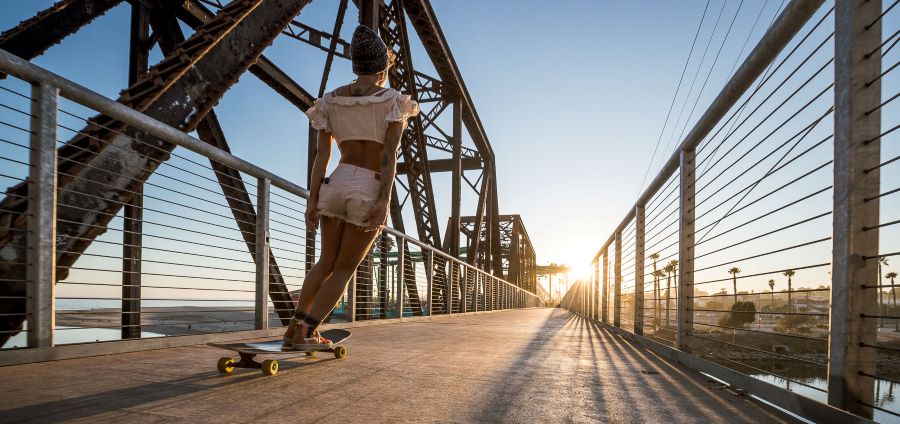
x=617, y=280
x=463, y=289
x=383, y=286
x=368, y=13
x=132, y=230
x=596, y=298
x=309, y=257
x=477, y=291
x=351, y=299
x=401, y=275
x=261, y=251
x=133, y=213
x=449, y=287
x=639, y=269
x=452, y=236
x=685, y=284
x=41, y=238
x=857, y=153
x=604, y=307
x=429, y=280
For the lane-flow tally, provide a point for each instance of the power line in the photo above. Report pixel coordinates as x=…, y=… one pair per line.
x=696, y=74
x=675, y=97
x=711, y=69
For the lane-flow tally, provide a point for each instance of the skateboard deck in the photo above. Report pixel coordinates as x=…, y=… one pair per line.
x=248, y=352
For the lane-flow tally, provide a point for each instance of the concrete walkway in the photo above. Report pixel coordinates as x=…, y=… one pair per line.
x=539, y=365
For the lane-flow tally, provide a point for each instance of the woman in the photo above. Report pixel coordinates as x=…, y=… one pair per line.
x=366, y=120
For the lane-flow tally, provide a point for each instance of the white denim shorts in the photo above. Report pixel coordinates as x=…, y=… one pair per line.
x=349, y=194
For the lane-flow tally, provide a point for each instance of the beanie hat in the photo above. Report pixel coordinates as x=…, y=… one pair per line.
x=367, y=52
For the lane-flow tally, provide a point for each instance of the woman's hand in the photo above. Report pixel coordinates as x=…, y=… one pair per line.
x=378, y=216
x=312, y=216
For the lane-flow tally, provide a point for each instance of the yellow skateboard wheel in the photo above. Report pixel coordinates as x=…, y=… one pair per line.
x=270, y=367
x=340, y=352
x=311, y=354
x=225, y=365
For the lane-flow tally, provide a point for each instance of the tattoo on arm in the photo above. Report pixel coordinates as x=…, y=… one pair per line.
x=388, y=171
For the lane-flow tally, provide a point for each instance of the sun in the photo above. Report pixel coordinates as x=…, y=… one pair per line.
x=580, y=272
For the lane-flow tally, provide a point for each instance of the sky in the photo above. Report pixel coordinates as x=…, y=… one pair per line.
x=573, y=96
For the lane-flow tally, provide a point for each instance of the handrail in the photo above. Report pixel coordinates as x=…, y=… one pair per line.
x=22, y=69
x=770, y=45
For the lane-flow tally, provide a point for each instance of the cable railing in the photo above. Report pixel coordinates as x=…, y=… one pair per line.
x=762, y=253
x=208, y=247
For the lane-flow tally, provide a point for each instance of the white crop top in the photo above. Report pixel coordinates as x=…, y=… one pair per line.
x=363, y=117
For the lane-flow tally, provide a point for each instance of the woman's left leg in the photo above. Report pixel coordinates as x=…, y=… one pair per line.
x=355, y=244
x=332, y=228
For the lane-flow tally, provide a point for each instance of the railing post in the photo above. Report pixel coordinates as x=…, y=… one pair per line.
x=429, y=281
x=351, y=299
x=596, y=298
x=477, y=289
x=604, y=307
x=448, y=293
x=685, y=284
x=617, y=280
x=857, y=154
x=41, y=238
x=639, y=269
x=463, y=289
x=401, y=275
x=262, y=254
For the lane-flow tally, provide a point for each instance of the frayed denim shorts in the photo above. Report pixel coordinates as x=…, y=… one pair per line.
x=349, y=194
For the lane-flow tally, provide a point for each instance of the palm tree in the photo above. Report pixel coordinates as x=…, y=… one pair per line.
x=668, y=269
x=772, y=289
x=789, y=273
x=656, y=275
x=882, y=261
x=892, y=275
x=674, y=264
x=734, y=271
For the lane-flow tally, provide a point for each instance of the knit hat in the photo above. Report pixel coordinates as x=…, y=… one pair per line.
x=367, y=52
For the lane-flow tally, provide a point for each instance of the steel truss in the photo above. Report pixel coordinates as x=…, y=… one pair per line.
x=182, y=89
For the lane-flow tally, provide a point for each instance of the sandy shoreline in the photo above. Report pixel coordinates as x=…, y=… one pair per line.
x=169, y=321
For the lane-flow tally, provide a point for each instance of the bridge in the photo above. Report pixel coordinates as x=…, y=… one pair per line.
x=131, y=236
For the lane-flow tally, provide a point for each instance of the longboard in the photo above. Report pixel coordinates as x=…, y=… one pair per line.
x=248, y=352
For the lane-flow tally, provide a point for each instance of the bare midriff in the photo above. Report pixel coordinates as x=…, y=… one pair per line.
x=362, y=153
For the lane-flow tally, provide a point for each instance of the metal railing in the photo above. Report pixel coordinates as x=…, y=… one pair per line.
x=198, y=250
x=762, y=253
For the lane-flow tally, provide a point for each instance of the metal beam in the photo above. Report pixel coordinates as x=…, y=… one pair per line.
x=639, y=270
x=194, y=14
x=451, y=237
x=685, y=284
x=617, y=281
x=40, y=274
x=245, y=217
x=133, y=215
x=179, y=92
x=34, y=36
x=604, y=307
x=857, y=154
x=443, y=165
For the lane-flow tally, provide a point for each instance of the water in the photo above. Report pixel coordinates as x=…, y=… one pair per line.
x=70, y=335
x=886, y=394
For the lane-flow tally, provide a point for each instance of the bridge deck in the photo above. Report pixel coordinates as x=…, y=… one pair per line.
x=517, y=366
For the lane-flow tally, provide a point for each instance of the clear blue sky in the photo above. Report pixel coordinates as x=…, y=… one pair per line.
x=573, y=95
